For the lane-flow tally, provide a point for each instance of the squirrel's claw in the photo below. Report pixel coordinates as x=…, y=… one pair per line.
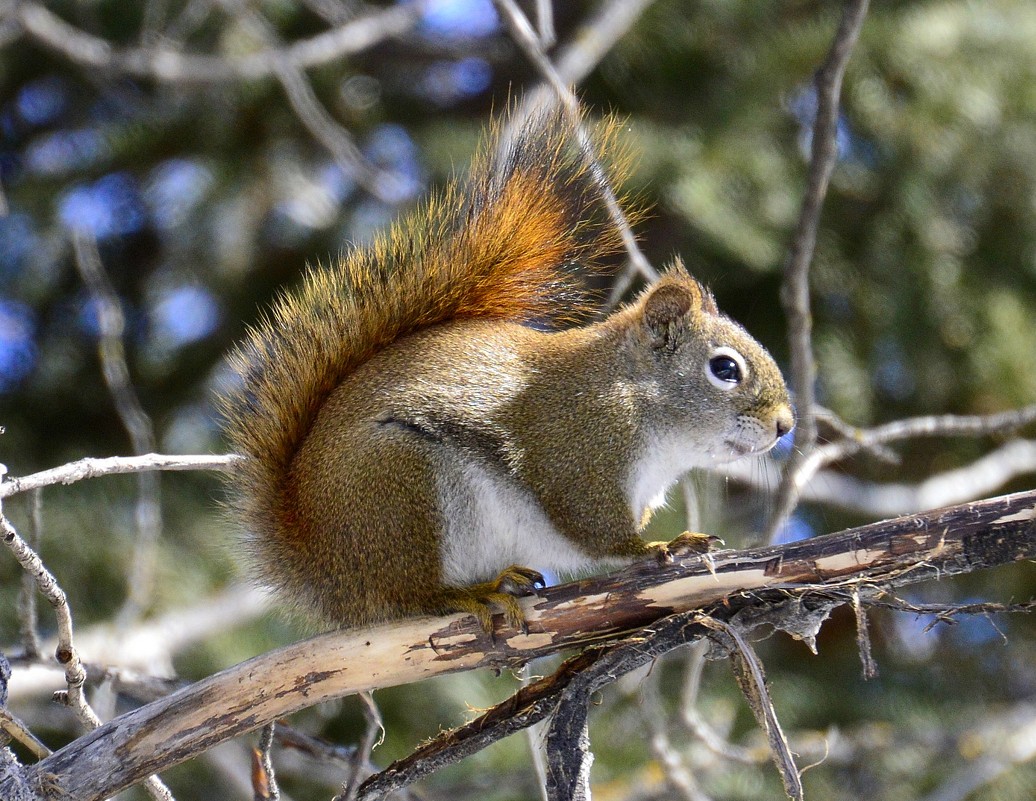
x=520, y=581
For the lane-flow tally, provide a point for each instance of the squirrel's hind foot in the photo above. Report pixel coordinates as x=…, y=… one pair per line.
x=688, y=543
x=504, y=591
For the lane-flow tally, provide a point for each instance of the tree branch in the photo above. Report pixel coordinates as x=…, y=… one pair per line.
x=795, y=288
x=524, y=35
x=578, y=614
x=164, y=64
x=113, y=465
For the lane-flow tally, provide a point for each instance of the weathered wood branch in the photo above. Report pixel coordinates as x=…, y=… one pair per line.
x=152, y=738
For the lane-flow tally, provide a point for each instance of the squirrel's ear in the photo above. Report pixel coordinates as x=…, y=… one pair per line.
x=666, y=309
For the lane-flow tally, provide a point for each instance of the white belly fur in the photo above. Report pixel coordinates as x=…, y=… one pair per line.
x=492, y=524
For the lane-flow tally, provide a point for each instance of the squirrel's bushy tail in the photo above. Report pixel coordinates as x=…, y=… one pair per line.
x=499, y=246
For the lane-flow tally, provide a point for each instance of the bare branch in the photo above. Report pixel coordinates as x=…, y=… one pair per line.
x=264, y=781
x=679, y=778
x=14, y=728
x=316, y=747
x=545, y=23
x=165, y=64
x=945, y=425
x=795, y=288
x=27, y=597
x=979, y=479
x=373, y=736
x=75, y=674
x=695, y=723
x=795, y=478
x=525, y=37
x=66, y=654
x=145, y=651
x=591, y=42
x=950, y=611
x=334, y=137
x=568, y=746
x=324, y=128
x=113, y=465
x=751, y=678
x=112, y=325
x=530, y=705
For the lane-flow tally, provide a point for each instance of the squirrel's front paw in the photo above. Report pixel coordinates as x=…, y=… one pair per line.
x=689, y=542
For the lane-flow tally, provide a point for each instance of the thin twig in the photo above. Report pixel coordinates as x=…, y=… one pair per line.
x=692, y=718
x=850, y=432
x=311, y=112
x=545, y=23
x=165, y=64
x=750, y=676
x=981, y=478
x=334, y=137
x=66, y=654
x=27, y=616
x=679, y=778
x=525, y=37
x=191, y=17
x=927, y=426
x=114, y=465
x=795, y=288
x=75, y=674
x=264, y=781
x=112, y=352
x=373, y=736
x=20, y=732
x=529, y=705
x=949, y=611
x=315, y=747
x=590, y=43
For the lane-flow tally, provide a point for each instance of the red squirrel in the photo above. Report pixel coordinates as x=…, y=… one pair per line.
x=418, y=434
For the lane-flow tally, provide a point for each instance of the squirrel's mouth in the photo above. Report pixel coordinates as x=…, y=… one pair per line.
x=739, y=450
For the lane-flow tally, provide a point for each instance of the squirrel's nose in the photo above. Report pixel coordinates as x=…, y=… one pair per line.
x=784, y=420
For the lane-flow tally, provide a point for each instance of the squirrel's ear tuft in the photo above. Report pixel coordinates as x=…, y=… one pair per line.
x=672, y=305
x=702, y=298
x=666, y=308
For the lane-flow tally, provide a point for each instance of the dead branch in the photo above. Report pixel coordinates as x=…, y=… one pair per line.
x=748, y=670
x=264, y=780
x=92, y=468
x=979, y=479
x=524, y=35
x=166, y=64
x=115, y=369
x=244, y=697
x=795, y=286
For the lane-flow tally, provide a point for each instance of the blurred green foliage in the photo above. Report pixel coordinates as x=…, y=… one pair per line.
x=206, y=198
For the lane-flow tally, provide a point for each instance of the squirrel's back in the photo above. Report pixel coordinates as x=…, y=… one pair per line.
x=499, y=246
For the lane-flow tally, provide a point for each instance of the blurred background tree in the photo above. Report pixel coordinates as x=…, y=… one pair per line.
x=209, y=188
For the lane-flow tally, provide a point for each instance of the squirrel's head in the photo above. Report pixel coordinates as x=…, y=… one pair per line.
x=721, y=386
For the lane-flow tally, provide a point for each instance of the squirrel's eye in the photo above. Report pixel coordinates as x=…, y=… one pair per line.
x=725, y=369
